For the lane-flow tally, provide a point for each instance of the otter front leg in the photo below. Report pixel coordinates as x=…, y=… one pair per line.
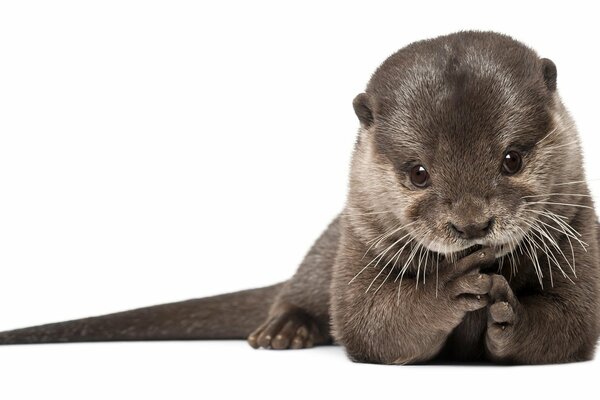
x=503, y=314
x=552, y=326
x=413, y=324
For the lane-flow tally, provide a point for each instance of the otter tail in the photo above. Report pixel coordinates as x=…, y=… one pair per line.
x=227, y=316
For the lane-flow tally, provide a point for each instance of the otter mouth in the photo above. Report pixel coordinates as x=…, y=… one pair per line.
x=469, y=250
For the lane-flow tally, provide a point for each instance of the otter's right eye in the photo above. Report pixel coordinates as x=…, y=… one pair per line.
x=419, y=176
x=512, y=163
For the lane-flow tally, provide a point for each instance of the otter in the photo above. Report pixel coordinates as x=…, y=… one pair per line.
x=468, y=235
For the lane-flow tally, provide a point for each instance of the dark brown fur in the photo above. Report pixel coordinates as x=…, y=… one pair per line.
x=389, y=279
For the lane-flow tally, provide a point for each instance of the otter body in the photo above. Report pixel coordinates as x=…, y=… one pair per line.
x=469, y=233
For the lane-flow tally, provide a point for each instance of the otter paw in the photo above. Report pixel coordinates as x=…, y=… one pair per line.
x=292, y=329
x=501, y=314
x=500, y=330
x=503, y=304
x=502, y=317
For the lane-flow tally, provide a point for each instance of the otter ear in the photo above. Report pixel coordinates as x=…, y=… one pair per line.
x=549, y=70
x=363, y=107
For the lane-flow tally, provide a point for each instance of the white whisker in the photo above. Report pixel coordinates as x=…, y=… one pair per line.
x=564, y=145
x=396, y=257
x=556, y=194
x=559, y=204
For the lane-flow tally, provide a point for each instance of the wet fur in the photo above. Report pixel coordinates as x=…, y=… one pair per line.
x=455, y=104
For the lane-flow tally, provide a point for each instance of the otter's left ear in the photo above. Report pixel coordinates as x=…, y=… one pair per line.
x=549, y=71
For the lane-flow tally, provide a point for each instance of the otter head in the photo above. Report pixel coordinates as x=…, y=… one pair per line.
x=459, y=135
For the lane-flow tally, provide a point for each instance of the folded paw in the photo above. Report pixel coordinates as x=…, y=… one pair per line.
x=290, y=329
x=502, y=318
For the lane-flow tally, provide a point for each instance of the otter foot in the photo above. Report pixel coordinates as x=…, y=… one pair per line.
x=291, y=329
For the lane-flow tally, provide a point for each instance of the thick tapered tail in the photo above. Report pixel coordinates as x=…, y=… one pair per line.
x=227, y=316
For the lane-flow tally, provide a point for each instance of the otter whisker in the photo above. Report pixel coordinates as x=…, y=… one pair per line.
x=420, y=259
x=377, y=276
x=405, y=268
x=408, y=262
x=550, y=133
x=513, y=264
x=425, y=265
x=568, y=237
x=418, y=266
x=507, y=256
x=511, y=255
x=564, y=145
x=565, y=226
x=573, y=256
x=382, y=255
x=562, y=222
x=437, y=273
x=560, y=204
x=568, y=183
x=556, y=194
x=553, y=241
x=547, y=251
x=561, y=230
x=388, y=233
x=544, y=211
x=544, y=232
x=575, y=182
x=379, y=257
x=566, y=229
x=559, y=219
x=379, y=239
x=366, y=213
x=396, y=256
x=532, y=254
x=557, y=263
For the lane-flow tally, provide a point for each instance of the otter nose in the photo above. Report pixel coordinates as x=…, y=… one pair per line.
x=472, y=230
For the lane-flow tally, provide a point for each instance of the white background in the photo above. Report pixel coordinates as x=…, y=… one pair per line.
x=158, y=151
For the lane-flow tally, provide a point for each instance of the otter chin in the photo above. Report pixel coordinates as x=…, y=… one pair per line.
x=468, y=235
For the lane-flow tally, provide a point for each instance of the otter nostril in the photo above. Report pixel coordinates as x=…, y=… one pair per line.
x=487, y=225
x=456, y=229
x=472, y=230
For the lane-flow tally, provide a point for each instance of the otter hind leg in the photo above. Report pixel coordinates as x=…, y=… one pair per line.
x=299, y=315
x=290, y=328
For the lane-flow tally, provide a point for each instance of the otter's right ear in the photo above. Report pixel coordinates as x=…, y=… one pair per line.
x=549, y=71
x=363, y=107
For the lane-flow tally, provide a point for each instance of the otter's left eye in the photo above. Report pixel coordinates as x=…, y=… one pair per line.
x=419, y=176
x=512, y=163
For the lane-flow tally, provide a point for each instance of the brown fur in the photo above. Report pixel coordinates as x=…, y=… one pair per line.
x=206, y=318
x=390, y=279
x=456, y=103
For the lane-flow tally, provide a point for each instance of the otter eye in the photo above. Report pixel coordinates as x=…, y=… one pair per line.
x=419, y=176
x=512, y=163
